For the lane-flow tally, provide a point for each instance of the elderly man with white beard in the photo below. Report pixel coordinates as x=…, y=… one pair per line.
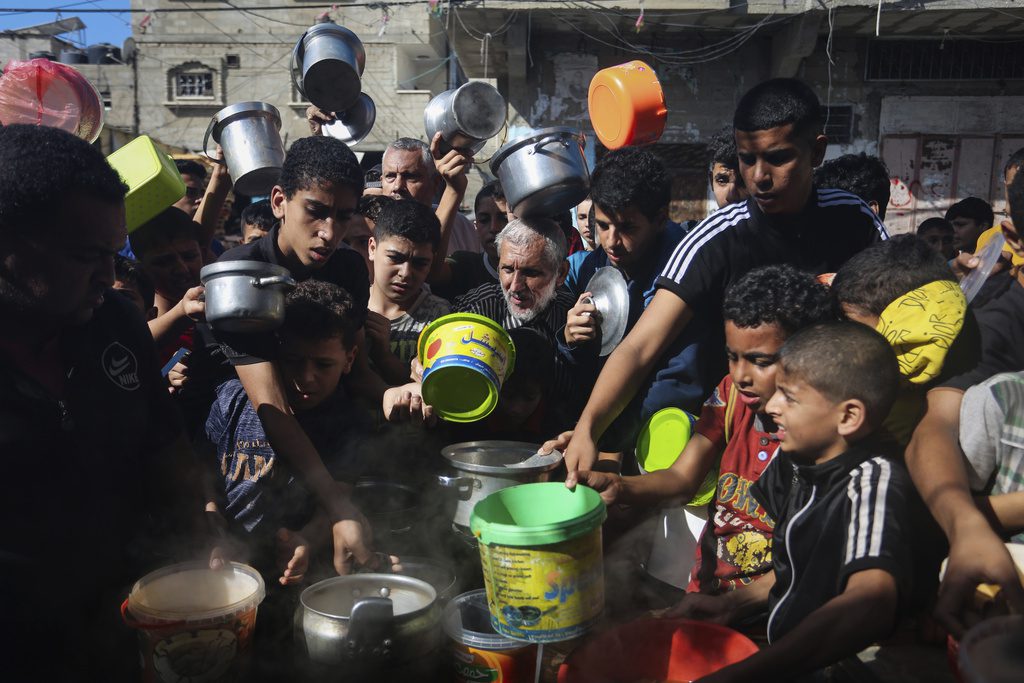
x=529, y=292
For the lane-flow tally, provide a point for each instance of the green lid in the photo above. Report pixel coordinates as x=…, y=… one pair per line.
x=663, y=438
x=459, y=393
x=537, y=514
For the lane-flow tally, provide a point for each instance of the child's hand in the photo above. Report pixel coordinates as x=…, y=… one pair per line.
x=608, y=484
x=378, y=329
x=581, y=321
x=405, y=404
x=452, y=166
x=292, y=556
x=716, y=609
x=178, y=377
x=193, y=305
x=317, y=119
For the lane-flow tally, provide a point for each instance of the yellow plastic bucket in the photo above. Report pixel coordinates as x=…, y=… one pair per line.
x=152, y=178
x=540, y=548
x=466, y=358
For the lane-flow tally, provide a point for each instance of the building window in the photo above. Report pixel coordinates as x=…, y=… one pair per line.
x=944, y=60
x=193, y=84
x=838, y=123
x=232, y=61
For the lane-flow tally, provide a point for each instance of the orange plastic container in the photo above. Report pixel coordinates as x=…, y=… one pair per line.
x=627, y=105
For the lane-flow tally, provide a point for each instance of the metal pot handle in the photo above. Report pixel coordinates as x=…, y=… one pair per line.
x=370, y=625
x=547, y=140
x=270, y=281
x=296, y=67
x=206, y=141
x=458, y=482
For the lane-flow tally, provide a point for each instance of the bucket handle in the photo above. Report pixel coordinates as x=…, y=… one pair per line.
x=270, y=281
x=298, y=52
x=547, y=140
x=130, y=621
x=206, y=142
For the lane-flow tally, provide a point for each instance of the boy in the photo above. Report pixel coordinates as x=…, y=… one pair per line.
x=402, y=249
x=938, y=234
x=779, y=141
x=764, y=308
x=970, y=217
x=724, y=170
x=466, y=270
x=257, y=220
x=842, y=545
x=860, y=174
x=257, y=492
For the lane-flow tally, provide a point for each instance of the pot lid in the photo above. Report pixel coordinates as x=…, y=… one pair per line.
x=509, y=147
x=610, y=294
x=355, y=123
x=337, y=597
x=254, y=268
x=499, y=457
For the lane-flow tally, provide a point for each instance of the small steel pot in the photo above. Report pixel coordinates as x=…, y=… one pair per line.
x=544, y=173
x=483, y=467
x=249, y=134
x=245, y=296
x=355, y=123
x=327, y=62
x=467, y=116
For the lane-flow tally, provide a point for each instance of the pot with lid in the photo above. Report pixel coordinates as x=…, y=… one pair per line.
x=327, y=63
x=483, y=467
x=245, y=296
x=544, y=173
x=467, y=116
x=370, y=627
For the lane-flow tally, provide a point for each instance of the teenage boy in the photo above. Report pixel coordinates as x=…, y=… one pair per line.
x=256, y=492
x=843, y=535
x=779, y=141
x=257, y=220
x=724, y=170
x=401, y=250
x=860, y=174
x=970, y=217
x=938, y=234
x=466, y=270
x=763, y=309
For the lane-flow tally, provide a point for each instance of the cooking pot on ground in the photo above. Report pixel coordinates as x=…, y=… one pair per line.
x=249, y=134
x=467, y=116
x=397, y=514
x=327, y=62
x=245, y=296
x=544, y=173
x=483, y=467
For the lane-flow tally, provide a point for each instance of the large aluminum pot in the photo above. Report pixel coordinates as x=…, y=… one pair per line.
x=467, y=116
x=483, y=467
x=327, y=62
x=543, y=174
x=366, y=625
x=249, y=134
x=245, y=296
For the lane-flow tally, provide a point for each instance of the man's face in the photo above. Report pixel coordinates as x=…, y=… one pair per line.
x=251, y=233
x=489, y=221
x=527, y=279
x=940, y=240
x=174, y=267
x=313, y=221
x=726, y=185
x=583, y=221
x=312, y=368
x=753, y=354
x=965, y=233
x=405, y=176
x=808, y=421
x=628, y=236
x=400, y=267
x=777, y=167
x=57, y=273
x=194, y=189
x=357, y=236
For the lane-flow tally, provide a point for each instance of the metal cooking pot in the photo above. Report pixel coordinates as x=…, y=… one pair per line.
x=245, y=296
x=370, y=624
x=249, y=134
x=437, y=573
x=327, y=62
x=355, y=123
x=467, y=116
x=544, y=173
x=484, y=467
x=396, y=513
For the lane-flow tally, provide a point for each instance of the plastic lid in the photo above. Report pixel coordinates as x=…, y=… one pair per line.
x=537, y=514
x=467, y=620
x=663, y=438
x=459, y=393
x=191, y=591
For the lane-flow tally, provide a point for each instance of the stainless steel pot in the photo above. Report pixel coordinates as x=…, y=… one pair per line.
x=245, y=296
x=355, y=123
x=369, y=624
x=437, y=573
x=396, y=513
x=249, y=134
x=467, y=116
x=610, y=294
x=483, y=467
x=544, y=173
x=327, y=62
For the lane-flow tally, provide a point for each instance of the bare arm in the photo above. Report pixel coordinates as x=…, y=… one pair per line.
x=171, y=324
x=452, y=167
x=726, y=608
x=625, y=372
x=1009, y=510
x=682, y=480
x=212, y=202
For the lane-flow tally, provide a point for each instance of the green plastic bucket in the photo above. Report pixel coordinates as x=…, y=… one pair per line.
x=466, y=358
x=540, y=548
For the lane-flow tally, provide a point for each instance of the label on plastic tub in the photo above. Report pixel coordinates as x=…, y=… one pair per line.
x=494, y=666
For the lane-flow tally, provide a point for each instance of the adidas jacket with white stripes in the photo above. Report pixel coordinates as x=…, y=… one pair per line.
x=849, y=514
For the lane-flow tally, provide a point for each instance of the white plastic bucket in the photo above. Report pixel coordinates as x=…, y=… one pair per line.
x=674, y=544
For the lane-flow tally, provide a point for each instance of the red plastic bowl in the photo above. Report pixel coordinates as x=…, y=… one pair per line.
x=659, y=649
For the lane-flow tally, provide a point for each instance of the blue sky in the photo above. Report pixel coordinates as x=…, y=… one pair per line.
x=99, y=28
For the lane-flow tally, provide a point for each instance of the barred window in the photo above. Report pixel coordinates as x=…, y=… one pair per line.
x=194, y=84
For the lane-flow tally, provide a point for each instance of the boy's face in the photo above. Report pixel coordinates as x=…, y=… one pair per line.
x=313, y=221
x=251, y=233
x=940, y=240
x=726, y=185
x=583, y=221
x=519, y=400
x=810, y=425
x=357, y=236
x=174, y=267
x=400, y=267
x=753, y=354
x=777, y=167
x=312, y=368
x=628, y=236
x=489, y=221
x=965, y=233
x=195, y=188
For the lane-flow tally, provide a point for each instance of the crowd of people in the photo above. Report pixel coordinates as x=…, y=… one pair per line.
x=860, y=419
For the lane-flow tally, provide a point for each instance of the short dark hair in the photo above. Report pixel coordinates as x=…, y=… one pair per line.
x=1015, y=195
x=38, y=165
x=885, y=271
x=486, y=192
x=408, y=219
x=499, y=191
x=260, y=215
x=320, y=159
x=1015, y=162
x=321, y=310
x=129, y=271
x=779, y=102
x=373, y=174
x=189, y=167
x=535, y=357
x=370, y=205
x=781, y=295
x=861, y=174
x=631, y=176
x=935, y=223
x=844, y=360
x=975, y=208
x=722, y=149
x=170, y=225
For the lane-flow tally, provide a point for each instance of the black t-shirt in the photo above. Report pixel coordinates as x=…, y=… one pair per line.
x=1001, y=323
x=344, y=268
x=852, y=513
